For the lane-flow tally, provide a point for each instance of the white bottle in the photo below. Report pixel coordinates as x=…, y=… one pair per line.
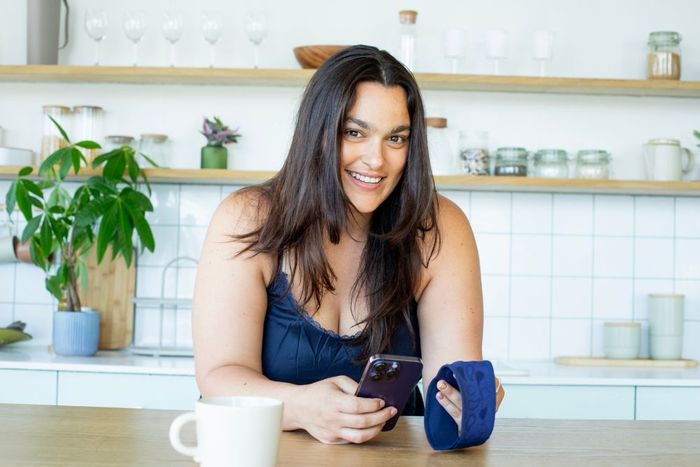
x=407, y=18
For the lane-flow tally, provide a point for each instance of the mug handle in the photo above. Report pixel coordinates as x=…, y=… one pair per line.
x=690, y=157
x=175, y=428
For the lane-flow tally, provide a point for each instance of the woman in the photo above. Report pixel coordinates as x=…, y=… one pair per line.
x=348, y=251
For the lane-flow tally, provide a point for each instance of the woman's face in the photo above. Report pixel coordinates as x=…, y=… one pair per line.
x=374, y=145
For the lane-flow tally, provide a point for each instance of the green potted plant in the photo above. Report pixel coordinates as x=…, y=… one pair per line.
x=105, y=210
x=214, y=154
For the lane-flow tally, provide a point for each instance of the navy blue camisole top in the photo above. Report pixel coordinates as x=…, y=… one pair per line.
x=296, y=349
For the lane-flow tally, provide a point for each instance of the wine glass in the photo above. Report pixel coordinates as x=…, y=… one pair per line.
x=172, y=26
x=496, y=47
x=212, y=29
x=96, y=27
x=542, y=47
x=257, y=32
x=134, y=27
x=454, y=47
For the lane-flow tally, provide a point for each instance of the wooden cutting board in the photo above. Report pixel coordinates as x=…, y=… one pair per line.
x=637, y=362
x=110, y=290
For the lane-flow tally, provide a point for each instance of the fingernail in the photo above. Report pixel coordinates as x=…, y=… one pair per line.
x=440, y=396
x=393, y=411
x=441, y=385
x=381, y=403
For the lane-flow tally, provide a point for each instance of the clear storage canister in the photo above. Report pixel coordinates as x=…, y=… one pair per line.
x=442, y=161
x=551, y=163
x=593, y=163
x=113, y=142
x=87, y=125
x=51, y=139
x=664, y=55
x=156, y=147
x=473, y=152
x=511, y=161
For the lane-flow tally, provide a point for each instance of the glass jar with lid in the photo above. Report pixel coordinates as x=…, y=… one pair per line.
x=473, y=152
x=442, y=161
x=155, y=146
x=593, y=163
x=51, y=139
x=511, y=161
x=664, y=55
x=113, y=142
x=87, y=124
x=551, y=163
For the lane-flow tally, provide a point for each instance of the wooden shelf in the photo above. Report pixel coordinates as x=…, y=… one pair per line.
x=453, y=182
x=296, y=77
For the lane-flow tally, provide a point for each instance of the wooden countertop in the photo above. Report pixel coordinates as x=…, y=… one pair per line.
x=82, y=436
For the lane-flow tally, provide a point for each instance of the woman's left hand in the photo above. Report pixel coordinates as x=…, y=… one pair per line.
x=451, y=400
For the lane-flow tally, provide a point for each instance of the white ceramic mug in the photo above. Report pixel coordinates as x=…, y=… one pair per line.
x=666, y=326
x=664, y=160
x=621, y=340
x=7, y=249
x=232, y=431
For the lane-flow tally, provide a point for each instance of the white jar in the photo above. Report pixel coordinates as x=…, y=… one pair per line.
x=442, y=160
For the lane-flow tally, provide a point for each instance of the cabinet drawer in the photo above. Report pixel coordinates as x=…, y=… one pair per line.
x=573, y=402
x=668, y=403
x=127, y=390
x=28, y=387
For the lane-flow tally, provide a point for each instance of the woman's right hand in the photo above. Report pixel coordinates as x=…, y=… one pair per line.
x=331, y=413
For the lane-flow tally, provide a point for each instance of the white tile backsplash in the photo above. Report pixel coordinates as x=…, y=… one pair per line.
x=166, y=204
x=691, y=340
x=491, y=212
x=494, y=253
x=166, y=237
x=496, y=292
x=612, y=298
x=461, y=199
x=571, y=337
x=613, y=256
x=572, y=297
x=613, y=215
x=572, y=214
x=191, y=241
x=29, y=285
x=7, y=313
x=529, y=338
x=197, y=204
x=530, y=296
x=688, y=217
x=185, y=282
x=654, y=216
x=7, y=282
x=39, y=319
x=532, y=213
x=572, y=256
x=149, y=280
x=531, y=254
x=495, y=342
x=688, y=258
x=691, y=290
x=653, y=258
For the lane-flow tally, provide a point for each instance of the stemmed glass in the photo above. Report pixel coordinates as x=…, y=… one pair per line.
x=542, y=45
x=172, y=27
x=257, y=32
x=454, y=47
x=96, y=27
x=212, y=28
x=496, y=47
x=134, y=28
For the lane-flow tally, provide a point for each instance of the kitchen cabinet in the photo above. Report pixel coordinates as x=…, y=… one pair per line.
x=668, y=403
x=568, y=402
x=127, y=390
x=28, y=387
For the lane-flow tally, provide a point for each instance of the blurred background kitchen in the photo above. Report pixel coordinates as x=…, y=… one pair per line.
x=558, y=260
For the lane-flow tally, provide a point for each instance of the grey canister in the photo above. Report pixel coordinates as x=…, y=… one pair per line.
x=43, y=29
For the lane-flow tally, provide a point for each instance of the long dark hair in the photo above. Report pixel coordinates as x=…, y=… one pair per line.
x=305, y=200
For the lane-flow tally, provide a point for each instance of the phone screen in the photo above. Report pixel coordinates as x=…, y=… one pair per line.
x=390, y=378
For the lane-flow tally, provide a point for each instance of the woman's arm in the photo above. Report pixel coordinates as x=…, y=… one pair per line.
x=230, y=303
x=450, y=308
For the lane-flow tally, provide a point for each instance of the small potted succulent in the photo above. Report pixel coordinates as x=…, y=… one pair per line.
x=105, y=211
x=214, y=154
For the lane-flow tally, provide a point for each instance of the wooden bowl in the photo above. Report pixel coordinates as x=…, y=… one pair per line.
x=312, y=56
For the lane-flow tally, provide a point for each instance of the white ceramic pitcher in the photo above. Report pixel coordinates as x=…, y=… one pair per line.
x=663, y=159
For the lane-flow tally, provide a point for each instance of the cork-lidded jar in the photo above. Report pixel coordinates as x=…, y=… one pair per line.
x=664, y=55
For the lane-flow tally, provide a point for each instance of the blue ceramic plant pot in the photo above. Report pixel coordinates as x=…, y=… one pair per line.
x=76, y=333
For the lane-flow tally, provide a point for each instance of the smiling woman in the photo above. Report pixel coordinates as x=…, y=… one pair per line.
x=347, y=252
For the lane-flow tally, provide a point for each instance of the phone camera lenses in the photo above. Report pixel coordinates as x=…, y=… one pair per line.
x=379, y=366
x=391, y=374
x=375, y=376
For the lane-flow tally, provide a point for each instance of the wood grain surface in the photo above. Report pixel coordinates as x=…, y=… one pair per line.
x=637, y=362
x=81, y=436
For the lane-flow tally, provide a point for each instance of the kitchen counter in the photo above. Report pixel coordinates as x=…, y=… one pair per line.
x=53, y=436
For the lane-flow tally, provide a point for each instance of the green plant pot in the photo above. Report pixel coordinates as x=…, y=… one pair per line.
x=214, y=157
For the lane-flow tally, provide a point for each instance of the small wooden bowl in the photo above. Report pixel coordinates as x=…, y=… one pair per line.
x=312, y=56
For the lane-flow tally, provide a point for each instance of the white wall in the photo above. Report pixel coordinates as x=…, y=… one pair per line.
x=547, y=290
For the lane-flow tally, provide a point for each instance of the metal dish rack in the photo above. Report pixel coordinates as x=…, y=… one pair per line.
x=163, y=303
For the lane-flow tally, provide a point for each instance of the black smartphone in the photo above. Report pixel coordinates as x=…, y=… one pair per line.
x=390, y=378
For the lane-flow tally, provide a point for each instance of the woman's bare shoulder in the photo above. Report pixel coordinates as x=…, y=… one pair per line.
x=242, y=211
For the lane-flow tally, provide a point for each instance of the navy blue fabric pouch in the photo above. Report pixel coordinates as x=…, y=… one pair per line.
x=477, y=385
